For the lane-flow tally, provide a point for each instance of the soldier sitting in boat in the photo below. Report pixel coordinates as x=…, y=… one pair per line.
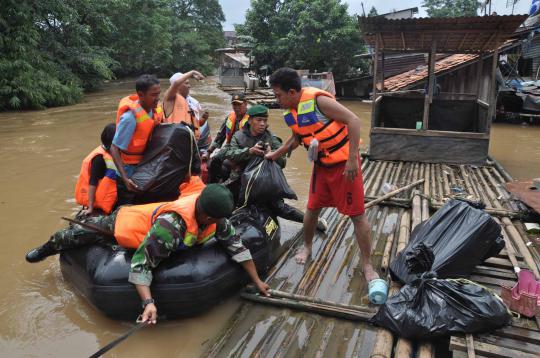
x=235, y=121
x=96, y=186
x=158, y=230
x=252, y=141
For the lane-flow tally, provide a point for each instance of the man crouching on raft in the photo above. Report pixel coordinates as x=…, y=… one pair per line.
x=158, y=230
x=331, y=133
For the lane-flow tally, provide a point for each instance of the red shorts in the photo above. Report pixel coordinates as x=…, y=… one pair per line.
x=329, y=188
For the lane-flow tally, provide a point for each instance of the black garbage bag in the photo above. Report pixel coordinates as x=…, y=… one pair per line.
x=263, y=180
x=165, y=163
x=432, y=307
x=451, y=243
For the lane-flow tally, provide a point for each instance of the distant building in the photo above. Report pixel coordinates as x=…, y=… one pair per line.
x=230, y=38
x=233, y=63
x=401, y=14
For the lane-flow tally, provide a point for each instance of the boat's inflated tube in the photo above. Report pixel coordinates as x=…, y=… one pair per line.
x=186, y=284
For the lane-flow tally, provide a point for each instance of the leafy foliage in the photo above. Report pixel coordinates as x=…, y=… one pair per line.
x=315, y=35
x=51, y=51
x=451, y=8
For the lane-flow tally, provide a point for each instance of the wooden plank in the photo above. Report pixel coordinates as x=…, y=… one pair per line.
x=428, y=149
x=488, y=350
x=492, y=90
x=431, y=75
x=498, y=262
x=375, y=73
x=429, y=133
x=497, y=282
x=500, y=274
x=520, y=334
x=516, y=345
x=525, y=323
x=470, y=346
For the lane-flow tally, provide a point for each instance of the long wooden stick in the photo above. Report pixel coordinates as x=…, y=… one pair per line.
x=295, y=297
x=92, y=227
x=393, y=193
x=332, y=311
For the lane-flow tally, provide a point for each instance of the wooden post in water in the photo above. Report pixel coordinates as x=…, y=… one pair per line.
x=375, y=73
x=429, y=95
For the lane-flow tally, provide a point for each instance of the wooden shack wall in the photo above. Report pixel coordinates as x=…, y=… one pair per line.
x=428, y=149
x=467, y=80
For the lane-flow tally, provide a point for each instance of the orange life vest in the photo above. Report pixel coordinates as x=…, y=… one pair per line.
x=230, y=125
x=134, y=152
x=133, y=222
x=333, y=136
x=105, y=196
x=182, y=113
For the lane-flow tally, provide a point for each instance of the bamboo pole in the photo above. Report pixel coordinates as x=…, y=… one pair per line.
x=446, y=184
x=499, y=192
x=302, y=298
x=500, y=168
x=510, y=251
x=416, y=209
x=354, y=315
x=520, y=244
x=377, y=182
x=490, y=193
x=404, y=346
x=386, y=253
x=314, y=267
x=393, y=193
x=482, y=193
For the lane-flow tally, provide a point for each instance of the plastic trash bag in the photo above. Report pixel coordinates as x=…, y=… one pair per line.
x=433, y=307
x=166, y=162
x=263, y=180
x=451, y=243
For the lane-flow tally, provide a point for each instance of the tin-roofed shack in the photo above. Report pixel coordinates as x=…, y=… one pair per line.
x=233, y=63
x=433, y=126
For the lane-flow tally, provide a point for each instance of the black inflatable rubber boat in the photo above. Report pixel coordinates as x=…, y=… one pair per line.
x=186, y=284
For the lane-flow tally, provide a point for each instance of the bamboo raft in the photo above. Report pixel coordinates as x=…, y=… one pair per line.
x=263, y=96
x=334, y=274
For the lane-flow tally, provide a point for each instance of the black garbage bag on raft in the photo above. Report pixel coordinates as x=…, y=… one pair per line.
x=165, y=163
x=451, y=243
x=262, y=181
x=185, y=284
x=432, y=307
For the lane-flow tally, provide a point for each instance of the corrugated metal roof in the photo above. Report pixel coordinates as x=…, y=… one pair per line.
x=452, y=35
x=239, y=57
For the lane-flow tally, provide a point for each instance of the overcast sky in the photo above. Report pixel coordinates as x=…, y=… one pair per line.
x=235, y=10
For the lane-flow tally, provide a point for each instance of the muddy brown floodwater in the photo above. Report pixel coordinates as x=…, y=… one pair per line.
x=40, y=156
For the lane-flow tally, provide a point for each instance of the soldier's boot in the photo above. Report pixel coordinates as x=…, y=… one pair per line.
x=41, y=252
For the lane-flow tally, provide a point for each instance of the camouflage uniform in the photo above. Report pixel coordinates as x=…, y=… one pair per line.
x=166, y=236
x=77, y=236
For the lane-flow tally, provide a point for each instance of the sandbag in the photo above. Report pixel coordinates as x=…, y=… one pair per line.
x=263, y=180
x=432, y=307
x=451, y=243
x=165, y=163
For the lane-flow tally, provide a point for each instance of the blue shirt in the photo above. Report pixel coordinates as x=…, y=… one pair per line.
x=125, y=129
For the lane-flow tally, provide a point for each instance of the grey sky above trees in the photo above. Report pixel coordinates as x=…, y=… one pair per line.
x=235, y=10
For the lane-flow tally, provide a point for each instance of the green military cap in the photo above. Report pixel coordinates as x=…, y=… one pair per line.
x=258, y=111
x=217, y=201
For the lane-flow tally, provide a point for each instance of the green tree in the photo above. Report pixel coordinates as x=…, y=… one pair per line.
x=451, y=8
x=372, y=12
x=197, y=32
x=47, y=54
x=315, y=35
